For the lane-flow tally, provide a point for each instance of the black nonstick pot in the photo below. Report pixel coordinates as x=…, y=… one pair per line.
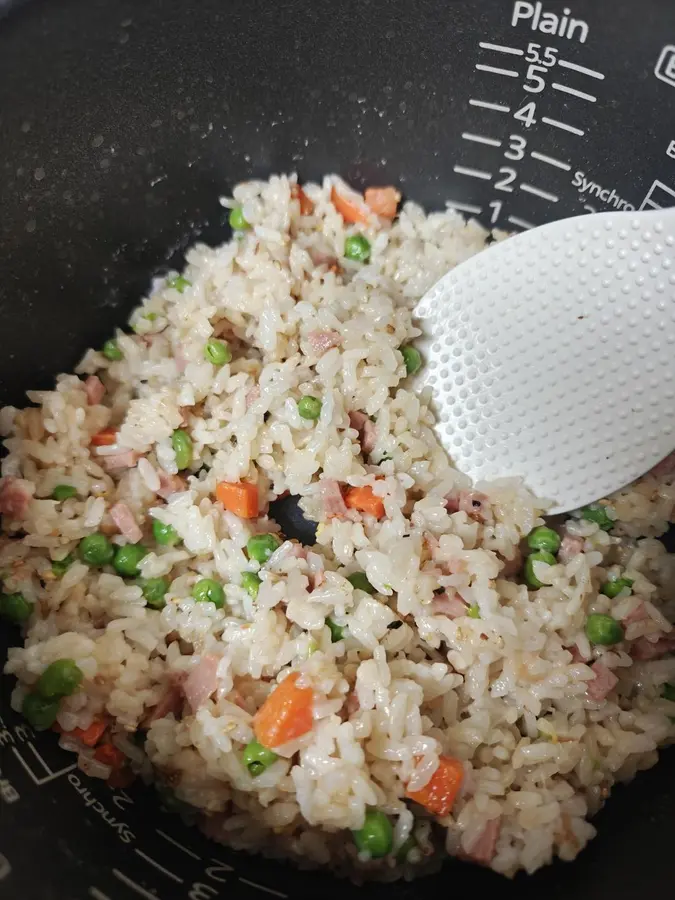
x=122, y=121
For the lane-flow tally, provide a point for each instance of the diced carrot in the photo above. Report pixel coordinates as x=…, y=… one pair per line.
x=239, y=497
x=306, y=205
x=110, y=755
x=351, y=208
x=363, y=499
x=383, y=201
x=285, y=715
x=89, y=736
x=438, y=794
x=105, y=438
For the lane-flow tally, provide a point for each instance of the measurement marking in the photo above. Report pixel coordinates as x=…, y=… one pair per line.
x=141, y=891
x=158, y=866
x=46, y=778
x=556, y=124
x=521, y=223
x=568, y=90
x=495, y=106
x=500, y=48
x=550, y=161
x=464, y=207
x=473, y=173
x=173, y=841
x=261, y=887
x=97, y=895
x=564, y=64
x=530, y=189
x=495, y=70
x=479, y=139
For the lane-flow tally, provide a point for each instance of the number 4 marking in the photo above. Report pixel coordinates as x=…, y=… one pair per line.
x=526, y=114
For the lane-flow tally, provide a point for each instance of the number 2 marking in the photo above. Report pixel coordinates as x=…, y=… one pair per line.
x=509, y=176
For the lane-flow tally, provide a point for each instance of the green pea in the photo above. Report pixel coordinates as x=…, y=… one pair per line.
x=127, y=559
x=182, y=447
x=668, y=691
x=261, y=546
x=309, y=407
x=39, y=712
x=614, y=587
x=217, y=352
x=337, y=632
x=153, y=591
x=473, y=611
x=237, y=220
x=111, y=351
x=257, y=758
x=376, y=837
x=208, y=590
x=60, y=679
x=597, y=512
x=359, y=581
x=61, y=566
x=604, y=630
x=15, y=608
x=543, y=538
x=538, y=556
x=63, y=492
x=412, y=359
x=178, y=283
x=96, y=550
x=357, y=248
x=164, y=534
x=250, y=583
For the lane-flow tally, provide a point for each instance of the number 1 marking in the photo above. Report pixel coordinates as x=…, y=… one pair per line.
x=496, y=210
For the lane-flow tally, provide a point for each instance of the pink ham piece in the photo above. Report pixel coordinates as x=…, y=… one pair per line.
x=643, y=649
x=450, y=605
x=333, y=502
x=602, y=684
x=123, y=517
x=473, y=504
x=665, y=467
x=94, y=389
x=179, y=359
x=569, y=548
x=171, y=702
x=252, y=395
x=322, y=341
x=576, y=655
x=15, y=497
x=170, y=484
x=360, y=422
x=112, y=462
x=639, y=614
x=352, y=704
x=452, y=503
x=201, y=682
x=482, y=850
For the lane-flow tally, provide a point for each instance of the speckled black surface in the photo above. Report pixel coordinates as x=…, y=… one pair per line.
x=120, y=123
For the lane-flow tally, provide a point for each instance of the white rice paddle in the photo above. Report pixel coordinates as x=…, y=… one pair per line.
x=551, y=356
